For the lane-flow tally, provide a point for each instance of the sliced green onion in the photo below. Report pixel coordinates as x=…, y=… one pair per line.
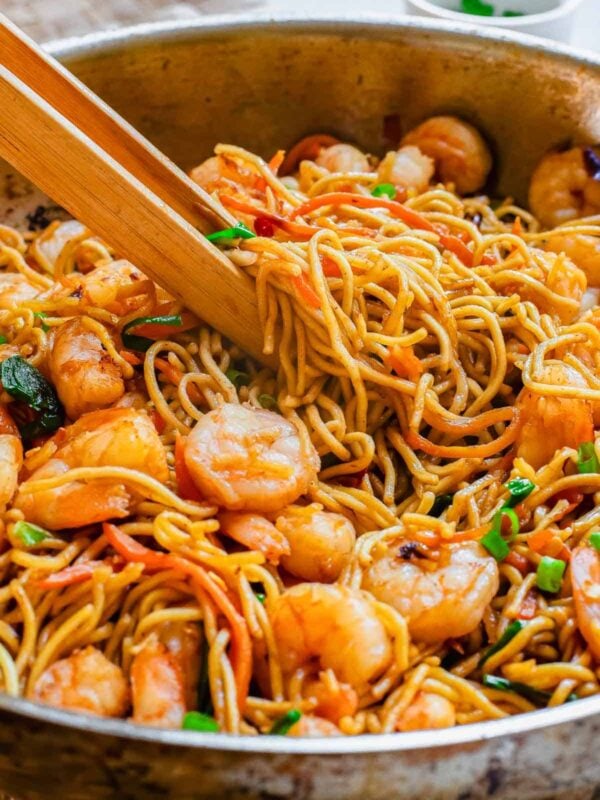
x=519, y=489
x=26, y=383
x=506, y=637
x=587, y=460
x=267, y=401
x=3, y=339
x=477, y=7
x=197, y=721
x=384, y=190
x=440, y=504
x=237, y=378
x=30, y=534
x=595, y=540
x=536, y=696
x=493, y=541
x=42, y=315
x=549, y=574
x=283, y=725
x=261, y=597
x=239, y=231
x=142, y=343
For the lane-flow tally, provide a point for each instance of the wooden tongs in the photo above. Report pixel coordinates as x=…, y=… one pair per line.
x=83, y=155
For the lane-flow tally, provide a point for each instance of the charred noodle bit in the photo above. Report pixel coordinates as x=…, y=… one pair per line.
x=396, y=530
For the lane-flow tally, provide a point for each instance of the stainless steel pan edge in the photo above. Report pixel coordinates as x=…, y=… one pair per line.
x=48, y=753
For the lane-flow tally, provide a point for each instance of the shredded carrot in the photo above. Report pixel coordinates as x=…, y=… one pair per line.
x=528, y=607
x=185, y=485
x=130, y=357
x=305, y=290
x=418, y=442
x=276, y=161
x=517, y=561
x=158, y=422
x=153, y=330
x=405, y=363
x=293, y=228
x=517, y=227
x=307, y=148
x=241, y=645
x=171, y=373
x=547, y=543
x=76, y=573
x=330, y=268
x=7, y=423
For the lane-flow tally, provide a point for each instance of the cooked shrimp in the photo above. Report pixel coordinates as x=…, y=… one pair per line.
x=333, y=700
x=84, y=375
x=458, y=150
x=320, y=543
x=116, y=437
x=549, y=423
x=313, y=727
x=208, y=174
x=256, y=533
x=584, y=251
x=585, y=578
x=157, y=687
x=443, y=602
x=52, y=241
x=426, y=712
x=245, y=458
x=84, y=681
x=15, y=289
x=567, y=280
x=407, y=167
x=343, y=158
x=11, y=461
x=334, y=626
x=562, y=189
x=182, y=640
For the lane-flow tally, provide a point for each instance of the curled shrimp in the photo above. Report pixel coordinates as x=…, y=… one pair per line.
x=333, y=700
x=585, y=578
x=11, y=461
x=458, y=150
x=320, y=543
x=157, y=687
x=84, y=681
x=15, y=289
x=255, y=532
x=84, y=375
x=428, y=596
x=244, y=458
x=208, y=174
x=582, y=250
x=334, y=626
x=343, y=158
x=407, y=167
x=549, y=423
x=116, y=437
x=562, y=188
x=182, y=640
x=426, y=712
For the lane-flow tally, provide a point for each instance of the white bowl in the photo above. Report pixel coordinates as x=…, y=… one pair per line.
x=550, y=18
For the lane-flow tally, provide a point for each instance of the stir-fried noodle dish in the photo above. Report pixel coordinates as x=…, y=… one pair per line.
x=396, y=529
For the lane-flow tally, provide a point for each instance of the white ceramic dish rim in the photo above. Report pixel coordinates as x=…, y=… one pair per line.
x=513, y=22
x=359, y=25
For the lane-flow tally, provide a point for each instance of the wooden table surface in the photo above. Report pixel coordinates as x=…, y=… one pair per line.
x=53, y=19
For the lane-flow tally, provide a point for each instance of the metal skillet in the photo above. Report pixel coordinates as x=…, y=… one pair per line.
x=263, y=83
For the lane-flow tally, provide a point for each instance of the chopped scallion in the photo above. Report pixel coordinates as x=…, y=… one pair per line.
x=550, y=573
x=494, y=541
x=587, y=460
x=282, y=726
x=42, y=315
x=3, y=339
x=197, y=721
x=267, y=400
x=237, y=378
x=440, y=504
x=384, y=190
x=536, y=696
x=142, y=343
x=239, y=231
x=495, y=544
x=595, y=540
x=30, y=534
x=509, y=634
x=519, y=489
x=261, y=597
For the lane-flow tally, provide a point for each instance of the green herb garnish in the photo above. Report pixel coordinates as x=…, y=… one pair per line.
x=595, y=540
x=384, y=190
x=477, y=7
x=283, y=725
x=494, y=541
x=30, y=534
x=549, y=574
x=519, y=489
x=536, y=696
x=3, y=339
x=197, y=721
x=440, y=504
x=142, y=343
x=509, y=634
x=237, y=378
x=26, y=383
x=239, y=231
x=42, y=315
x=261, y=597
x=267, y=401
x=587, y=460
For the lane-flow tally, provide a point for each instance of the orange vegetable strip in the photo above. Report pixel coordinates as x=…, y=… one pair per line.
x=418, y=442
x=297, y=229
x=517, y=561
x=305, y=290
x=154, y=330
x=396, y=209
x=528, y=606
x=307, y=148
x=276, y=161
x=547, y=543
x=76, y=573
x=241, y=645
x=405, y=363
x=186, y=488
x=130, y=358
